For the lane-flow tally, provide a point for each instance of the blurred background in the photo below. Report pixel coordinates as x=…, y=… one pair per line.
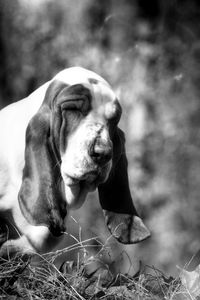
x=149, y=51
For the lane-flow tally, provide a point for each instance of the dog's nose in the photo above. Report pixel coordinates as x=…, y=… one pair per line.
x=101, y=151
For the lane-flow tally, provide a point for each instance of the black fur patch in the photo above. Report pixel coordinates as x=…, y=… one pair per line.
x=93, y=81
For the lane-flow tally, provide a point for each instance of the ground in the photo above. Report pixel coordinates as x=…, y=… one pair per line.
x=39, y=277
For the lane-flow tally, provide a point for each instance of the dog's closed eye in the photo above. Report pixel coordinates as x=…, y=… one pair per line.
x=76, y=104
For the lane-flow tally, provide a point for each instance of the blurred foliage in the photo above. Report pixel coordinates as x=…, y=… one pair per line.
x=150, y=53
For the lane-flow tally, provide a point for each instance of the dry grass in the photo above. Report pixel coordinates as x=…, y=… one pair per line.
x=39, y=277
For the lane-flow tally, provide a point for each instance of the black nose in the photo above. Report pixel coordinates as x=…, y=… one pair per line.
x=101, y=152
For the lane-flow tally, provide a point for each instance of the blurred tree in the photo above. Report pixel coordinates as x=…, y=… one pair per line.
x=6, y=25
x=97, y=14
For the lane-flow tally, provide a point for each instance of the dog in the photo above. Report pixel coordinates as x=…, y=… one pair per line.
x=57, y=145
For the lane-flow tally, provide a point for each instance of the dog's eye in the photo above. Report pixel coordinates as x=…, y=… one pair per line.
x=81, y=105
x=72, y=105
x=113, y=112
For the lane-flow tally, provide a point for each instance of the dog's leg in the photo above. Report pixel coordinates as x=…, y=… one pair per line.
x=20, y=246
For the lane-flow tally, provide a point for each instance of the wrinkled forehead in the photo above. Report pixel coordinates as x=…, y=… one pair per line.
x=99, y=88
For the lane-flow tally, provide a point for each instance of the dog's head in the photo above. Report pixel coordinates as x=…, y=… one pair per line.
x=73, y=146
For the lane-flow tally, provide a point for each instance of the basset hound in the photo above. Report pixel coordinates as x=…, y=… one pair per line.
x=56, y=146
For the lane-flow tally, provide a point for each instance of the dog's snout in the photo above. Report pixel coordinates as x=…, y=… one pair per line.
x=101, y=151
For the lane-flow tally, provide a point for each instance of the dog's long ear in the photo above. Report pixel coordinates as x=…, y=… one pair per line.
x=40, y=196
x=115, y=198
